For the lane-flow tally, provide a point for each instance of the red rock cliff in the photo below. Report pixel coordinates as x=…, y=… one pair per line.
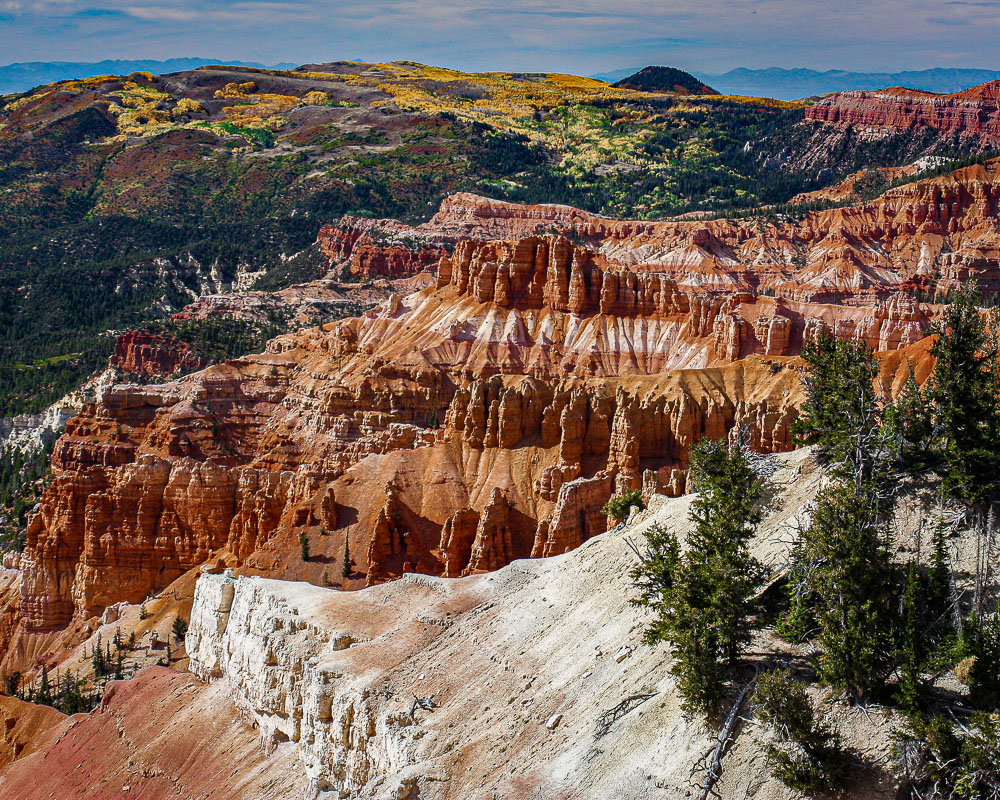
x=975, y=111
x=151, y=355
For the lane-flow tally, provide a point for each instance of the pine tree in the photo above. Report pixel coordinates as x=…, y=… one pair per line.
x=846, y=569
x=852, y=580
x=304, y=545
x=911, y=420
x=618, y=507
x=984, y=689
x=842, y=409
x=97, y=660
x=703, y=598
x=910, y=692
x=44, y=693
x=346, y=569
x=805, y=754
x=71, y=699
x=964, y=391
x=179, y=628
x=939, y=576
x=726, y=512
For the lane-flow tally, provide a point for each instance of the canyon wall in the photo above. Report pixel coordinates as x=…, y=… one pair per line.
x=488, y=417
x=150, y=355
x=925, y=236
x=972, y=112
x=367, y=248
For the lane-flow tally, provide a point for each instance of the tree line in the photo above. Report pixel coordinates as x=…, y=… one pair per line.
x=23, y=475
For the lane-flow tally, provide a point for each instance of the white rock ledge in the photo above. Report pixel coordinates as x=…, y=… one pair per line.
x=530, y=693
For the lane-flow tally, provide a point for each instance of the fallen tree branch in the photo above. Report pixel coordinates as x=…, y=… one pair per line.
x=610, y=717
x=713, y=769
x=426, y=703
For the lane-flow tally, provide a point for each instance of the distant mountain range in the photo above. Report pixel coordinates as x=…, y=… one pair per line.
x=790, y=84
x=26, y=75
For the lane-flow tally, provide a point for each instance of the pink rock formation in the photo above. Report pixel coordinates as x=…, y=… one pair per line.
x=969, y=112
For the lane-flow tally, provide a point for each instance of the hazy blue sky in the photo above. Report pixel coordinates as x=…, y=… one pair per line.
x=582, y=36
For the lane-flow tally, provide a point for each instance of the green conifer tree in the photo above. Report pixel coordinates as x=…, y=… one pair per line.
x=984, y=689
x=847, y=569
x=964, y=390
x=97, y=660
x=910, y=692
x=346, y=568
x=853, y=583
x=939, y=578
x=179, y=628
x=912, y=427
x=805, y=754
x=703, y=598
x=44, y=693
x=843, y=411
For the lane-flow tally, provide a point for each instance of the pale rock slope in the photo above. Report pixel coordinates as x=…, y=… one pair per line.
x=539, y=683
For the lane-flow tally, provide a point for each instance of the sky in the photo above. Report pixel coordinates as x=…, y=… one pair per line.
x=578, y=36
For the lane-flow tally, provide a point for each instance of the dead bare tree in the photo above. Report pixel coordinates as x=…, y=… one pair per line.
x=711, y=762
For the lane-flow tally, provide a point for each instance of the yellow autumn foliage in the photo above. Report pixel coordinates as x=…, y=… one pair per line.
x=770, y=102
x=233, y=91
x=262, y=111
x=186, y=106
x=589, y=123
x=21, y=102
x=139, y=113
x=316, y=98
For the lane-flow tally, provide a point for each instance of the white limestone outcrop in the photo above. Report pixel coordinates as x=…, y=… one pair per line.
x=27, y=431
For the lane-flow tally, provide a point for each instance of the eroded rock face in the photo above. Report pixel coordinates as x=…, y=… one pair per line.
x=974, y=111
x=150, y=355
x=489, y=417
x=496, y=543
x=161, y=733
x=918, y=236
x=576, y=517
x=246, y=456
x=369, y=248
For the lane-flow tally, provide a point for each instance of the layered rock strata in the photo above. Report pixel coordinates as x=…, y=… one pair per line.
x=150, y=355
x=488, y=418
x=368, y=248
x=972, y=112
x=248, y=455
x=925, y=236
